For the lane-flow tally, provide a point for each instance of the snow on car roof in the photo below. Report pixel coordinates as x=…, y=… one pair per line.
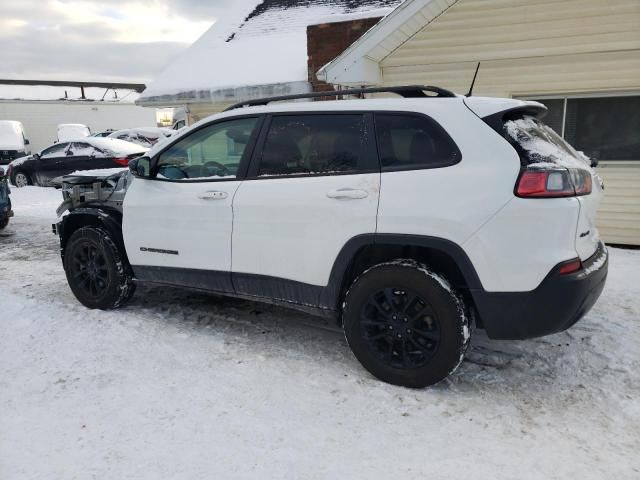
x=268, y=48
x=114, y=145
x=152, y=132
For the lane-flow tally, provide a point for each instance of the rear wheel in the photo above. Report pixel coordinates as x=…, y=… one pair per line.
x=405, y=324
x=21, y=179
x=96, y=273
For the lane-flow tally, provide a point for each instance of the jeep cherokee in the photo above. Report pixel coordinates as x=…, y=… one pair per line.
x=405, y=219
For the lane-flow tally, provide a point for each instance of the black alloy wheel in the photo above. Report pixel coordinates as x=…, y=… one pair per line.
x=405, y=324
x=400, y=327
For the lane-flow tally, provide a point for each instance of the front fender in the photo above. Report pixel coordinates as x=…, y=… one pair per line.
x=109, y=220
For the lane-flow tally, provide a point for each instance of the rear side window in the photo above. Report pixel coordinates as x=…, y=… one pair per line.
x=315, y=144
x=413, y=142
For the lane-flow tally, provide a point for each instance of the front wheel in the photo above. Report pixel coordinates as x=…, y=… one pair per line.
x=4, y=221
x=405, y=324
x=21, y=179
x=95, y=270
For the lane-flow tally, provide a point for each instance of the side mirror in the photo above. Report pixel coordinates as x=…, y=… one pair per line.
x=69, y=153
x=2, y=172
x=140, y=167
x=36, y=156
x=26, y=141
x=594, y=162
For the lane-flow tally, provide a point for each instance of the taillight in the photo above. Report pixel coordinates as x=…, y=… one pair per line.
x=570, y=267
x=553, y=183
x=123, y=162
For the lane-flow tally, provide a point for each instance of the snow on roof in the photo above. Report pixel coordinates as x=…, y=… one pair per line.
x=264, y=54
x=54, y=93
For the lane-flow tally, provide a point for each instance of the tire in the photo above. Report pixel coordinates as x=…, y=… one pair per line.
x=4, y=222
x=21, y=179
x=405, y=324
x=96, y=272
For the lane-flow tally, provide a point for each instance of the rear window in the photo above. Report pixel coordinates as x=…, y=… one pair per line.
x=413, y=142
x=538, y=143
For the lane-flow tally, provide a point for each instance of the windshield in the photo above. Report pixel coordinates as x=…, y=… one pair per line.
x=10, y=135
x=542, y=144
x=72, y=132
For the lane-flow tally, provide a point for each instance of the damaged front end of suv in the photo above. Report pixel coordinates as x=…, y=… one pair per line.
x=104, y=191
x=92, y=200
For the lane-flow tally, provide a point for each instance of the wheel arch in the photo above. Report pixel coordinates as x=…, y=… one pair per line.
x=109, y=220
x=441, y=255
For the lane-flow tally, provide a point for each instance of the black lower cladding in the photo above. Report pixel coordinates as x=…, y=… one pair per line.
x=555, y=305
x=211, y=281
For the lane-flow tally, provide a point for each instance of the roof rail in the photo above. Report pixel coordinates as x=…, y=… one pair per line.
x=406, y=91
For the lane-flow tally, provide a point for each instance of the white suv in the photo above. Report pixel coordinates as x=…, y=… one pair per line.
x=404, y=219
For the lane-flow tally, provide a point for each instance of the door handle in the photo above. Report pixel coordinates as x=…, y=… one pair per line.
x=347, y=193
x=213, y=195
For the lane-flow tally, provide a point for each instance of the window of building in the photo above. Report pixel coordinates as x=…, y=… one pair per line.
x=409, y=141
x=315, y=144
x=604, y=128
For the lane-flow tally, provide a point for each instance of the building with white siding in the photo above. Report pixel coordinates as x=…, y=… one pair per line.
x=579, y=57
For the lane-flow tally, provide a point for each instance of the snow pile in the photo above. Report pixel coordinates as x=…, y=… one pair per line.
x=545, y=146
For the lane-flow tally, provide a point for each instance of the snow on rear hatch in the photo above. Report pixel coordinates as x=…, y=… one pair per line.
x=543, y=147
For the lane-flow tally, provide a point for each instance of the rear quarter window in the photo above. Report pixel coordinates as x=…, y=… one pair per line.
x=413, y=142
x=538, y=143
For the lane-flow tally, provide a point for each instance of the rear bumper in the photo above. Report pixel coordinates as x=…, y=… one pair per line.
x=555, y=305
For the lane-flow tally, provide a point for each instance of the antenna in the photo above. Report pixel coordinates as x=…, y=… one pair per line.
x=473, y=82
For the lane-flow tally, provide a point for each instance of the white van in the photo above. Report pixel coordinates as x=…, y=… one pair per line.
x=13, y=142
x=72, y=131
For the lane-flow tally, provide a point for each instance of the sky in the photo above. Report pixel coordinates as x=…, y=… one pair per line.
x=106, y=40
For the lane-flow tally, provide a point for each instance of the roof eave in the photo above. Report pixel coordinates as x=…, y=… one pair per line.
x=224, y=96
x=360, y=63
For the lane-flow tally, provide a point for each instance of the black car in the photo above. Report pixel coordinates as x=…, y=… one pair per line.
x=5, y=201
x=63, y=158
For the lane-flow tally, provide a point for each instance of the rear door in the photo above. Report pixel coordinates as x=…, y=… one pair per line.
x=87, y=157
x=313, y=185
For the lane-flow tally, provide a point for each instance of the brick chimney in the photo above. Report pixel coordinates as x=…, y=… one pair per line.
x=328, y=40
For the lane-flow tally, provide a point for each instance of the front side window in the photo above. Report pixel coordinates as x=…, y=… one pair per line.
x=55, y=151
x=212, y=152
x=315, y=144
x=413, y=142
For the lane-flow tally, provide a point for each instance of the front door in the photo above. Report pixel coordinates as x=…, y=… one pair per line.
x=50, y=163
x=313, y=187
x=177, y=225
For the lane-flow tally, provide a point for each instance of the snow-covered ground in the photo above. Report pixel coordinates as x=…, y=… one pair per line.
x=179, y=385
